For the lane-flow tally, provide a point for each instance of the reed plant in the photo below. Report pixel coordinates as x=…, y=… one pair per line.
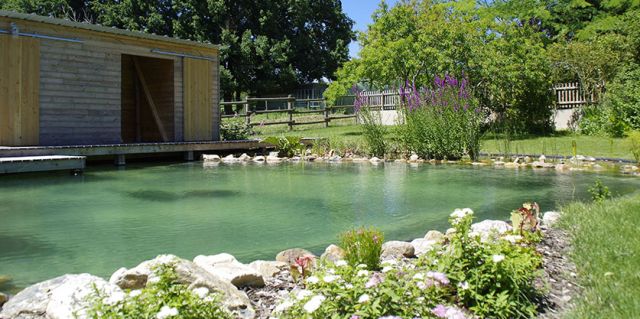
x=443, y=122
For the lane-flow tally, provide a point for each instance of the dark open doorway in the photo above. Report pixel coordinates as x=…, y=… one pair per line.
x=147, y=99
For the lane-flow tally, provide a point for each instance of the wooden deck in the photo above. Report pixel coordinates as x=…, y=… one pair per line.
x=25, y=164
x=127, y=149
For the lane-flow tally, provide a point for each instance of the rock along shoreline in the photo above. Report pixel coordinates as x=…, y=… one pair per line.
x=253, y=290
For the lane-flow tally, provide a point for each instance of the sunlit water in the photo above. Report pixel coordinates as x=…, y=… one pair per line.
x=51, y=224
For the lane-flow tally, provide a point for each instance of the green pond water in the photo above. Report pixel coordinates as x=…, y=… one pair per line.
x=52, y=224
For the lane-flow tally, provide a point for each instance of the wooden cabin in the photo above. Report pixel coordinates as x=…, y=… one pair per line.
x=72, y=83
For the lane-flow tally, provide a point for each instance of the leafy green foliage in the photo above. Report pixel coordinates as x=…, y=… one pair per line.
x=288, y=146
x=235, y=129
x=362, y=246
x=599, y=192
x=526, y=218
x=634, y=137
x=498, y=275
x=164, y=298
x=465, y=278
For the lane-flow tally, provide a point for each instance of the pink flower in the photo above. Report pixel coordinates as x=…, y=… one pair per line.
x=373, y=281
x=440, y=311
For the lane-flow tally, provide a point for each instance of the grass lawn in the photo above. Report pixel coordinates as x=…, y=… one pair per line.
x=557, y=144
x=607, y=254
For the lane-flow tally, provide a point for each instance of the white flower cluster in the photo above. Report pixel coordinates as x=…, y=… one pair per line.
x=459, y=214
x=314, y=303
x=166, y=312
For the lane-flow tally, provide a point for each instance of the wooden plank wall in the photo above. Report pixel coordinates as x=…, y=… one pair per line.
x=80, y=94
x=19, y=86
x=198, y=100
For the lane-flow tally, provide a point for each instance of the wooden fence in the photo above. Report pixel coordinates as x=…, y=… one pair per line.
x=568, y=95
x=250, y=107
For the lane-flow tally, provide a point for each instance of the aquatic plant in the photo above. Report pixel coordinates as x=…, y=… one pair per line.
x=599, y=192
x=373, y=130
x=287, y=146
x=441, y=122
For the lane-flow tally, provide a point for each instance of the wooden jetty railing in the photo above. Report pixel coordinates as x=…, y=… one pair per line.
x=247, y=109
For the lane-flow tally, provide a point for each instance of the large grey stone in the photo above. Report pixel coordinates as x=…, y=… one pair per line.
x=434, y=235
x=269, y=269
x=193, y=276
x=333, y=253
x=228, y=268
x=422, y=245
x=549, y=219
x=489, y=229
x=64, y=297
x=397, y=249
x=289, y=256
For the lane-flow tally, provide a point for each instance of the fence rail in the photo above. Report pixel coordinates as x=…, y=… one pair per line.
x=248, y=108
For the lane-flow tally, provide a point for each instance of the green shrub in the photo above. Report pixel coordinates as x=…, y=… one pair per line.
x=619, y=110
x=234, y=129
x=362, y=246
x=288, y=146
x=599, y=192
x=442, y=123
x=164, y=298
x=634, y=137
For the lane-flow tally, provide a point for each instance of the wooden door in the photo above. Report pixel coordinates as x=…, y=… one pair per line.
x=19, y=91
x=198, y=100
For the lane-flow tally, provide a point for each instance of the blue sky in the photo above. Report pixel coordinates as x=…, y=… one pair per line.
x=360, y=11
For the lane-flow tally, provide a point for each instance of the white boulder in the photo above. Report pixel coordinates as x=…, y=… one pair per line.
x=422, y=245
x=228, y=268
x=188, y=274
x=64, y=297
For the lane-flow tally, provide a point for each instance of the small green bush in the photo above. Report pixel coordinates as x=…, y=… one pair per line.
x=599, y=192
x=634, y=137
x=235, y=129
x=162, y=299
x=288, y=146
x=362, y=246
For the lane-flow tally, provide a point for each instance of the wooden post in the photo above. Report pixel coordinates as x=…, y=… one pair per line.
x=120, y=160
x=290, y=101
x=247, y=112
x=188, y=156
x=326, y=115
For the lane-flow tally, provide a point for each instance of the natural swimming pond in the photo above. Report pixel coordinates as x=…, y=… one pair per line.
x=51, y=224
